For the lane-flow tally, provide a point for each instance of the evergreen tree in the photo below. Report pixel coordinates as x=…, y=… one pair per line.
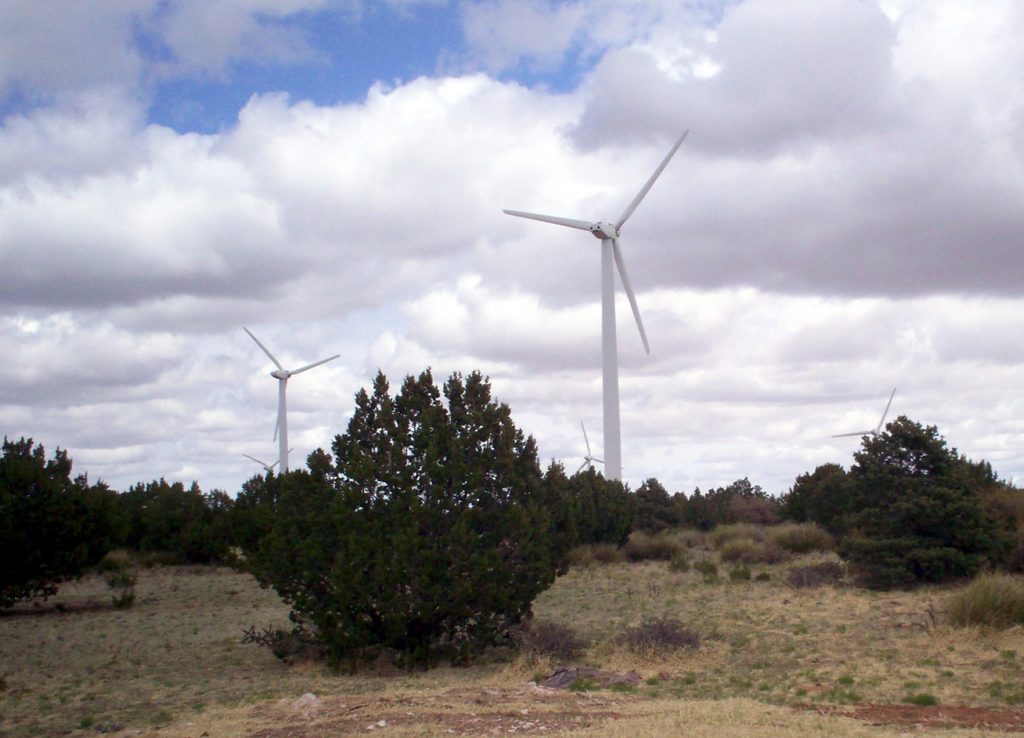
x=655, y=510
x=915, y=516
x=51, y=527
x=428, y=535
x=823, y=497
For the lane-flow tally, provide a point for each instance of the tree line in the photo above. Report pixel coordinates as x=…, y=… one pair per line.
x=430, y=526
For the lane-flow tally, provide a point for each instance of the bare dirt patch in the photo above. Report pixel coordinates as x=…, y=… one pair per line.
x=525, y=711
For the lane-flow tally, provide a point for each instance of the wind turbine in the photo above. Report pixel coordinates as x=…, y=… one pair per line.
x=266, y=468
x=608, y=233
x=878, y=428
x=281, y=375
x=589, y=459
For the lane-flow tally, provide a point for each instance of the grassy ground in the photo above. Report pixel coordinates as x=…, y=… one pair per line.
x=774, y=661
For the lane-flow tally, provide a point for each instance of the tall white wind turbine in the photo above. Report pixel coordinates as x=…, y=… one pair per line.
x=608, y=233
x=281, y=375
x=878, y=428
x=589, y=459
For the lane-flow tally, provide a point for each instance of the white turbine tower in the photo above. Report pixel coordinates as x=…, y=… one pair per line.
x=281, y=375
x=589, y=459
x=609, y=233
x=878, y=428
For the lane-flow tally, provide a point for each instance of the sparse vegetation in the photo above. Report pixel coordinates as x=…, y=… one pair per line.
x=993, y=600
x=826, y=573
x=800, y=538
x=661, y=546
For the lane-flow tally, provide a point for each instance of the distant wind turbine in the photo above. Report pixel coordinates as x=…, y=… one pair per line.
x=589, y=459
x=281, y=375
x=609, y=233
x=878, y=428
x=266, y=468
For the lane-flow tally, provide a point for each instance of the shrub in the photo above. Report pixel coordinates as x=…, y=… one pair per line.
x=680, y=562
x=544, y=638
x=995, y=600
x=815, y=575
x=654, y=635
x=708, y=570
x=739, y=574
x=722, y=534
x=658, y=547
x=800, y=538
x=922, y=699
x=747, y=551
x=428, y=535
x=592, y=554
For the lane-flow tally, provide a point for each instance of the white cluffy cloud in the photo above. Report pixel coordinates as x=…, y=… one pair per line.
x=844, y=218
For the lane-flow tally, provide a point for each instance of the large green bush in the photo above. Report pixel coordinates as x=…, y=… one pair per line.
x=917, y=516
x=51, y=527
x=429, y=534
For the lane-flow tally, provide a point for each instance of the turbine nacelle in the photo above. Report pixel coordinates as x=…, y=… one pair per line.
x=604, y=230
x=280, y=374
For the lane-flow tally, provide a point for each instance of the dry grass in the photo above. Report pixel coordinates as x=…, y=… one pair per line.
x=174, y=666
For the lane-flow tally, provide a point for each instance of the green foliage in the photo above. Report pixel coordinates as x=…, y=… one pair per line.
x=740, y=502
x=739, y=574
x=821, y=497
x=191, y=527
x=993, y=600
x=655, y=510
x=916, y=518
x=430, y=534
x=921, y=699
x=51, y=527
x=680, y=562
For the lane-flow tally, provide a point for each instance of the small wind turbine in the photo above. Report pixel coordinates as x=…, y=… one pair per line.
x=281, y=375
x=266, y=468
x=589, y=459
x=878, y=428
x=608, y=233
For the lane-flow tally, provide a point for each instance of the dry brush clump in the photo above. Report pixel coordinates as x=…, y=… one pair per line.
x=656, y=635
x=749, y=551
x=994, y=600
x=800, y=538
x=537, y=639
x=592, y=554
x=722, y=534
x=661, y=546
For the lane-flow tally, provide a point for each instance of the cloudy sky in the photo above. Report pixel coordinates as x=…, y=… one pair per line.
x=846, y=216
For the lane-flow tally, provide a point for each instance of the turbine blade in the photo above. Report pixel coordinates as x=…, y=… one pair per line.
x=887, y=406
x=253, y=458
x=316, y=363
x=858, y=433
x=585, y=462
x=265, y=349
x=271, y=467
x=585, y=439
x=650, y=182
x=621, y=264
x=583, y=225
x=599, y=461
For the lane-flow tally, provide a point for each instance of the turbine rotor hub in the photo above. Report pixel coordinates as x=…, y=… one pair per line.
x=280, y=374
x=604, y=230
